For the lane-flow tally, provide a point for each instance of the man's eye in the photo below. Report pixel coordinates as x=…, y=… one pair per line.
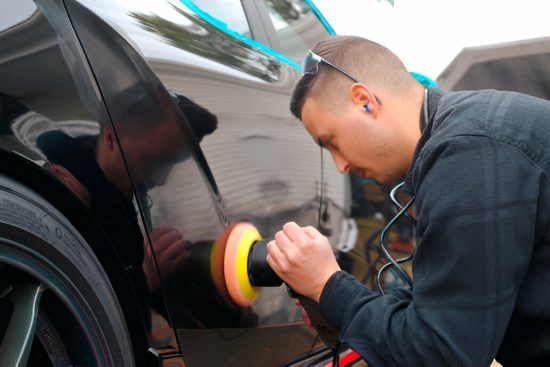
x=330, y=145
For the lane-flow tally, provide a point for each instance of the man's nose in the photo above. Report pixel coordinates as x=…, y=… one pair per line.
x=341, y=164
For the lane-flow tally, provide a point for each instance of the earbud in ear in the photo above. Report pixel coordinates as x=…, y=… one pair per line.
x=367, y=109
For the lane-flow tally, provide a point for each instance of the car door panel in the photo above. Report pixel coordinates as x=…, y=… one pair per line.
x=243, y=169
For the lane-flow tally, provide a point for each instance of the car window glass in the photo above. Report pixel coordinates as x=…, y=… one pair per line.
x=296, y=26
x=229, y=11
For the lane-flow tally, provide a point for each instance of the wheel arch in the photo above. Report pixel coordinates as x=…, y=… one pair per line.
x=32, y=176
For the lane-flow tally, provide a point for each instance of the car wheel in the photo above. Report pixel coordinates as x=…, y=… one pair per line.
x=57, y=306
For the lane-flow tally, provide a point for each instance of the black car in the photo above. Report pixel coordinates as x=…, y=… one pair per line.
x=133, y=136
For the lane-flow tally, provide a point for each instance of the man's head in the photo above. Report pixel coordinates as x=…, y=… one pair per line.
x=370, y=125
x=153, y=133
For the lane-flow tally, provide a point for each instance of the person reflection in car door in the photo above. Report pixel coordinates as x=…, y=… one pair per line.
x=207, y=307
x=153, y=142
x=93, y=165
x=169, y=244
x=73, y=162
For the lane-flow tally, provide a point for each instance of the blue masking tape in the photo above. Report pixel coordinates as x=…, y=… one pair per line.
x=224, y=28
x=320, y=17
x=423, y=79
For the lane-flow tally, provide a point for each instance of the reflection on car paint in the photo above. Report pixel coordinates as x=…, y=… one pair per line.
x=166, y=152
x=232, y=33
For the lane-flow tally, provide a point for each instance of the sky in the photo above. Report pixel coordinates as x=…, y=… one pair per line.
x=428, y=34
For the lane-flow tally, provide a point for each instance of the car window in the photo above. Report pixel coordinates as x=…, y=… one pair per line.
x=297, y=27
x=229, y=11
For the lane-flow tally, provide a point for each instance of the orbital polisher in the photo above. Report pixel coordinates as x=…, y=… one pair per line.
x=238, y=268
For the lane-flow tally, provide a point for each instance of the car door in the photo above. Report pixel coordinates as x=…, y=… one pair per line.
x=245, y=160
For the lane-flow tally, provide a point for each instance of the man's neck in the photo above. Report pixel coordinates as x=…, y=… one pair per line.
x=412, y=112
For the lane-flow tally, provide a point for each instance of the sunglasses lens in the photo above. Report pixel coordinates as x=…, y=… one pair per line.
x=311, y=65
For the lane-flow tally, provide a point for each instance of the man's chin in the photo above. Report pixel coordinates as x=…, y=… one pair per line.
x=370, y=176
x=363, y=173
x=386, y=181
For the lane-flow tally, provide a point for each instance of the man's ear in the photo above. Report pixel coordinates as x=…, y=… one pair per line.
x=363, y=97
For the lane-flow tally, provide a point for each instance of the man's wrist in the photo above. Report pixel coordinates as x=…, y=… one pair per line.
x=319, y=292
x=337, y=295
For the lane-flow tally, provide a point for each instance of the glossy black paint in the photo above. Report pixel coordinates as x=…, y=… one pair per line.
x=159, y=124
x=37, y=95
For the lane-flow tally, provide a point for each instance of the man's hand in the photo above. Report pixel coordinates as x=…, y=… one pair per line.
x=303, y=258
x=171, y=251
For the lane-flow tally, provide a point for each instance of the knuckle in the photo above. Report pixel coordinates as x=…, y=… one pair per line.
x=307, y=244
x=292, y=258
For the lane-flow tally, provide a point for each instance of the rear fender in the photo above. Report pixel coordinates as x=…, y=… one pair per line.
x=37, y=179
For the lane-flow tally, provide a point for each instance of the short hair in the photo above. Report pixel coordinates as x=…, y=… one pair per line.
x=369, y=62
x=201, y=121
x=140, y=107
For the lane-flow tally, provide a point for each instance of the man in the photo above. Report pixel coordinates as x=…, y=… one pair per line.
x=477, y=164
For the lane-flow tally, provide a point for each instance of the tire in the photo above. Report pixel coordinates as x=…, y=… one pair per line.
x=57, y=300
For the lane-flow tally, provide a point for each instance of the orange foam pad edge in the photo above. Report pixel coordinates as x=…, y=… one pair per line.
x=217, y=264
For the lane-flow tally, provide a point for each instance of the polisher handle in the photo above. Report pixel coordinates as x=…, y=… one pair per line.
x=260, y=273
x=328, y=333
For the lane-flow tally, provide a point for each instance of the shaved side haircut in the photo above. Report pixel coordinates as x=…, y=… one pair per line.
x=369, y=62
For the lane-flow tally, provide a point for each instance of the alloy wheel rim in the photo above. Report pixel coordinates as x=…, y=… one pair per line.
x=42, y=277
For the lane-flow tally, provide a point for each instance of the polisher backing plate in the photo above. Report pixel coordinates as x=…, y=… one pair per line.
x=239, y=243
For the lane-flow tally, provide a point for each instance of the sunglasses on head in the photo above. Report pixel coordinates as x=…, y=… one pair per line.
x=312, y=62
x=311, y=65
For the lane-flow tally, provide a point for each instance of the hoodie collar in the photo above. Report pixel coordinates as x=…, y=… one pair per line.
x=434, y=97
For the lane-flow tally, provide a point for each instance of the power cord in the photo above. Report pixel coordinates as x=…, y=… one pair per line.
x=392, y=262
x=336, y=356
